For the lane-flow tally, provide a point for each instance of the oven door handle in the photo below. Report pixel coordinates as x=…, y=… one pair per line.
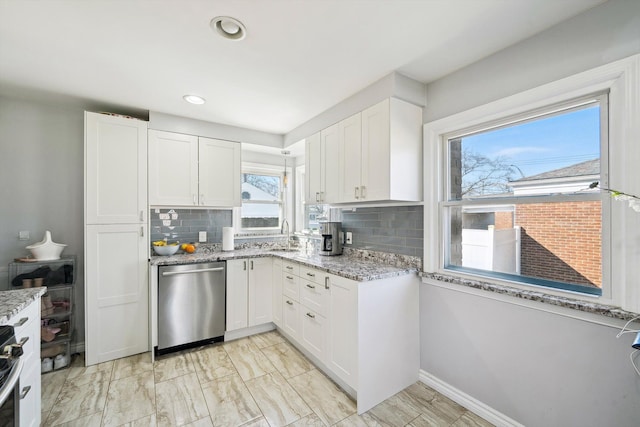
x=10, y=385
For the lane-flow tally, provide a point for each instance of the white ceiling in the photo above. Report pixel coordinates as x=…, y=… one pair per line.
x=300, y=57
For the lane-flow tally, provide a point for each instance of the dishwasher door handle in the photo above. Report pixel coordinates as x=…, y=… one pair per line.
x=202, y=270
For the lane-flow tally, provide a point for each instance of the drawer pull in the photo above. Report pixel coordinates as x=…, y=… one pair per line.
x=23, y=341
x=289, y=302
x=290, y=277
x=312, y=316
x=311, y=275
x=21, y=322
x=326, y=282
x=310, y=286
x=289, y=267
x=25, y=391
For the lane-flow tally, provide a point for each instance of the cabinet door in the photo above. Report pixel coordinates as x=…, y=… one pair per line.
x=350, y=158
x=291, y=317
x=330, y=149
x=313, y=332
x=173, y=169
x=115, y=169
x=219, y=173
x=260, y=291
x=276, y=287
x=237, y=294
x=116, y=292
x=313, y=169
x=375, y=171
x=343, y=333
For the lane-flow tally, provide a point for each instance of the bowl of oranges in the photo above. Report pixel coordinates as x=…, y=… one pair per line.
x=161, y=247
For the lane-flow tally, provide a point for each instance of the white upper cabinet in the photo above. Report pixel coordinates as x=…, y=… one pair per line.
x=219, y=173
x=186, y=170
x=321, y=154
x=314, y=184
x=173, y=169
x=115, y=169
x=350, y=159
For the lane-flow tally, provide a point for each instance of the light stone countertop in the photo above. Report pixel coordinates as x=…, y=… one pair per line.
x=11, y=302
x=351, y=265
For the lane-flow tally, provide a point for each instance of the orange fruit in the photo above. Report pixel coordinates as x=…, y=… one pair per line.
x=189, y=249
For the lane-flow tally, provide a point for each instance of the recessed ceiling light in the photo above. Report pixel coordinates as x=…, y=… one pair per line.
x=228, y=27
x=194, y=99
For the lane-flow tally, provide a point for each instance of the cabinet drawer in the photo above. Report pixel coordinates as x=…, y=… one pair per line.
x=30, y=387
x=313, y=332
x=290, y=286
x=291, y=317
x=291, y=268
x=312, y=275
x=314, y=296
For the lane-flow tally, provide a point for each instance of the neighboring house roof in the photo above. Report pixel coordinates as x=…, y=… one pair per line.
x=590, y=167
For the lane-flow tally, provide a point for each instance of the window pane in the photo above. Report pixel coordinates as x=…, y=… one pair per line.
x=548, y=155
x=260, y=187
x=537, y=243
x=260, y=215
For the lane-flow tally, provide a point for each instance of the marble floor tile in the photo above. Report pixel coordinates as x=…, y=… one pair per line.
x=51, y=385
x=309, y=421
x=242, y=345
x=418, y=395
x=130, y=399
x=79, y=398
x=172, y=366
x=278, y=401
x=180, y=401
x=260, y=422
x=267, y=339
x=325, y=398
x=250, y=364
x=287, y=360
x=364, y=420
x=77, y=368
x=469, y=419
x=132, y=365
x=395, y=411
x=148, y=421
x=93, y=420
x=229, y=401
x=446, y=408
x=204, y=422
x=211, y=363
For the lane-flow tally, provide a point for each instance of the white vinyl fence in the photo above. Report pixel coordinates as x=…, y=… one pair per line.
x=492, y=250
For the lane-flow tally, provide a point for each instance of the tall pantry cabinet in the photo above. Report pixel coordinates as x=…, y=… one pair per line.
x=116, y=242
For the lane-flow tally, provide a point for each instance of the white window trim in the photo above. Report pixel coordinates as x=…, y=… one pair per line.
x=263, y=168
x=622, y=79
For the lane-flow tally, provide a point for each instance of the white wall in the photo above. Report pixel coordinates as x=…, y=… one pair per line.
x=539, y=368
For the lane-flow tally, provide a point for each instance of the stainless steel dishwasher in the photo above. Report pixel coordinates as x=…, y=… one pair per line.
x=191, y=305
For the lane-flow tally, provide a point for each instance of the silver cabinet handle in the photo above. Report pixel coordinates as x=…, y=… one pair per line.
x=289, y=277
x=25, y=391
x=251, y=264
x=312, y=316
x=195, y=199
x=141, y=231
x=326, y=282
x=202, y=198
x=311, y=275
x=310, y=286
x=288, y=267
x=141, y=216
x=317, y=196
x=356, y=193
x=23, y=341
x=202, y=270
x=363, y=192
x=21, y=322
x=289, y=302
x=244, y=265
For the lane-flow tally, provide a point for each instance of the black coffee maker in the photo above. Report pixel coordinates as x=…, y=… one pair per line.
x=331, y=238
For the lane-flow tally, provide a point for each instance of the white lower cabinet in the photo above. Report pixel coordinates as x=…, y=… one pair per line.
x=26, y=324
x=249, y=292
x=364, y=335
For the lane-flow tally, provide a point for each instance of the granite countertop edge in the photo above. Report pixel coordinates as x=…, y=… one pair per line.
x=534, y=295
x=344, y=266
x=13, y=301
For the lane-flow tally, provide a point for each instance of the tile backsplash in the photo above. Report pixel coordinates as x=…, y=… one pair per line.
x=184, y=224
x=394, y=229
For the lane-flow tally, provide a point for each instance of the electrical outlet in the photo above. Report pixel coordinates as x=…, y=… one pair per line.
x=202, y=237
x=23, y=235
x=349, y=239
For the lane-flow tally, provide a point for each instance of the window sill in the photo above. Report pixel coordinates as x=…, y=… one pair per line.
x=532, y=295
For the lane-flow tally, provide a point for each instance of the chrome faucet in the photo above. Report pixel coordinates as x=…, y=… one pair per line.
x=285, y=222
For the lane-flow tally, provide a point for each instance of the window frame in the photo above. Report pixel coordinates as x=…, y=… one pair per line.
x=622, y=80
x=447, y=204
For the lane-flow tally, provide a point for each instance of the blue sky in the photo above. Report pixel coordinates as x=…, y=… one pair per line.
x=545, y=144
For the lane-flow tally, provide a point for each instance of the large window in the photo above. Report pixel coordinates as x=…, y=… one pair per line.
x=518, y=202
x=262, y=206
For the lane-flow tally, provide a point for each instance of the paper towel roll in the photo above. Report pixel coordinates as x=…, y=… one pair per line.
x=227, y=238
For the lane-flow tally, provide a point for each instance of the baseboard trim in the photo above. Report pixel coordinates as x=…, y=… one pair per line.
x=479, y=408
x=245, y=332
